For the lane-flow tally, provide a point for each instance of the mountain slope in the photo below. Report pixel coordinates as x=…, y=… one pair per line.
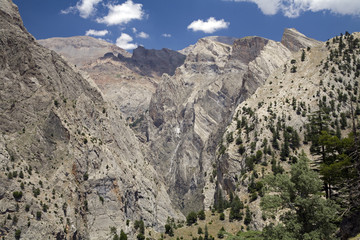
x=79, y=169
x=294, y=40
x=322, y=78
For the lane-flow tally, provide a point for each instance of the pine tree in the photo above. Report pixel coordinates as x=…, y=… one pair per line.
x=303, y=55
x=236, y=209
x=307, y=215
x=123, y=235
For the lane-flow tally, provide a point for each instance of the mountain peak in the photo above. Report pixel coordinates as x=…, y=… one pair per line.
x=82, y=49
x=295, y=40
x=248, y=48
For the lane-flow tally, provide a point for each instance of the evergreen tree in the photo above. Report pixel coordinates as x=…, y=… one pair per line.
x=318, y=122
x=295, y=140
x=308, y=215
x=206, y=233
x=303, y=55
x=201, y=215
x=191, y=218
x=248, y=216
x=236, y=209
x=123, y=235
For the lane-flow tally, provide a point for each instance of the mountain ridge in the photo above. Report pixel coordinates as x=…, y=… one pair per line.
x=110, y=139
x=78, y=167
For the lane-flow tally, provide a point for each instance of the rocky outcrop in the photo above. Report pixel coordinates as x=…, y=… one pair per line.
x=156, y=62
x=248, y=48
x=79, y=169
x=294, y=40
x=220, y=39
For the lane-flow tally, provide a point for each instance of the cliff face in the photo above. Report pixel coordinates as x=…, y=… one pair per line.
x=79, y=169
x=156, y=62
x=127, y=80
x=190, y=111
x=294, y=40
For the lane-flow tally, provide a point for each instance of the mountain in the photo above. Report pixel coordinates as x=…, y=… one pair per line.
x=294, y=40
x=321, y=79
x=220, y=39
x=190, y=111
x=128, y=80
x=71, y=167
x=99, y=140
x=82, y=49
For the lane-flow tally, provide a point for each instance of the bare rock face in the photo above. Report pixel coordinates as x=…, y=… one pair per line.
x=81, y=50
x=127, y=80
x=294, y=40
x=79, y=169
x=190, y=111
x=157, y=62
x=248, y=48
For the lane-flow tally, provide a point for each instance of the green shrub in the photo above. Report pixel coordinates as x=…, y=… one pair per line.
x=17, y=195
x=191, y=218
x=38, y=215
x=201, y=215
x=222, y=216
x=17, y=234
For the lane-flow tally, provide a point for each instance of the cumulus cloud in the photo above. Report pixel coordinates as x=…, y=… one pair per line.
x=167, y=35
x=209, y=26
x=294, y=8
x=92, y=32
x=122, y=13
x=125, y=42
x=140, y=34
x=85, y=7
x=143, y=35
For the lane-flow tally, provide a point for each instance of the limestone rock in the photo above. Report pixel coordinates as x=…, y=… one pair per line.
x=294, y=40
x=156, y=62
x=190, y=111
x=80, y=50
x=80, y=169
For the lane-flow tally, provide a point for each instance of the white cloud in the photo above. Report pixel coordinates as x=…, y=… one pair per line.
x=142, y=35
x=125, y=42
x=294, y=8
x=167, y=35
x=134, y=30
x=85, y=7
x=122, y=13
x=92, y=32
x=209, y=26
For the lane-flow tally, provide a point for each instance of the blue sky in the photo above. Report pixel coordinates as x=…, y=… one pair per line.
x=176, y=24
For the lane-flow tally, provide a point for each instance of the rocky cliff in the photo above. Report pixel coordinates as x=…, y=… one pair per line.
x=191, y=110
x=127, y=80
x=71, y=169
x=294, y=40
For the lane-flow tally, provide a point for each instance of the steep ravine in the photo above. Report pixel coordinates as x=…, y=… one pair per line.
x=80, y=170
x=191, y=110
